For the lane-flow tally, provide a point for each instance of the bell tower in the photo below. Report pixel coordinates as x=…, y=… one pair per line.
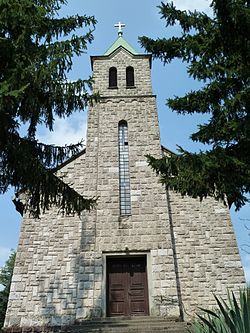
x=132, y=219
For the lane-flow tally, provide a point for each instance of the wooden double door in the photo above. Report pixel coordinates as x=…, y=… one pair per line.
x=127, y=287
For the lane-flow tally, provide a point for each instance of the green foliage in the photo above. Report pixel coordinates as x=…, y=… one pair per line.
x=5, y=279
x=231, y=317
x=217, y=53
x=36, y=51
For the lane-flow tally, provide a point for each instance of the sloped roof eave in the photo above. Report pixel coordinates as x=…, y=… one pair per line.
x=71, y=159
x=138, y=55
x=168, y=151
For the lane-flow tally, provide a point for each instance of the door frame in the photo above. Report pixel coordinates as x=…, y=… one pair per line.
x=138, y=254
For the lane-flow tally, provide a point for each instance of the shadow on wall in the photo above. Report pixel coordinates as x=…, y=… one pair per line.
x=73, y=293
x=177, y=274
x=67, y=286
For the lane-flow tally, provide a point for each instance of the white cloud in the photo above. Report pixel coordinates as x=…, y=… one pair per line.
x=245, y=258
x=199, y=5
x=66, y=131
x=247, y=274
x=4, y=255
x=246, y=265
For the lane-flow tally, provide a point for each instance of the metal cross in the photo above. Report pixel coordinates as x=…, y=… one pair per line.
x=120, y=25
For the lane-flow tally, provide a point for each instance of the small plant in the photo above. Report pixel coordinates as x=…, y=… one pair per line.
x=232, y=316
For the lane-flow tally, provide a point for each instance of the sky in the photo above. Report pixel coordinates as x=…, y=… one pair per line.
x=141, y=18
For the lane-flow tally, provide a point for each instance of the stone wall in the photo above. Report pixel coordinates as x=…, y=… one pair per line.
x=206, y=251
x=44, y=283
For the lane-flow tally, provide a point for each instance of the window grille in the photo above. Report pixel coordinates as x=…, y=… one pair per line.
x=112, y=77
x=130, y=78
x=124, y=186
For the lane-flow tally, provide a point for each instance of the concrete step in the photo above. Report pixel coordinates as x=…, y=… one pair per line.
x=113, y=325
x=135, y=329
x=130, y=325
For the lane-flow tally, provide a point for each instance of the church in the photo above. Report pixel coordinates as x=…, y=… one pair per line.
x=143, y=250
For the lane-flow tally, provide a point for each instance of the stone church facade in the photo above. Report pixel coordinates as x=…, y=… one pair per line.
x=143, y=250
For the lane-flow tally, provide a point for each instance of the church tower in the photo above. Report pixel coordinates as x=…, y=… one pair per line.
x=131, y=217
x=143, y=251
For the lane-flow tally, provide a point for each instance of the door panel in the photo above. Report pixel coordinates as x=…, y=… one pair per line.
x=138, y=288
x=127, y=286
x=117, y=289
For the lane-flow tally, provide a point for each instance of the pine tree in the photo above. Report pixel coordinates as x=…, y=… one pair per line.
x=36, y=51
x=5, y=280
x=217, y=52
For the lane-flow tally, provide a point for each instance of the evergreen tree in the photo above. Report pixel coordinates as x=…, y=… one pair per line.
x=36, y=51
x=217, y=52
x=5, y=280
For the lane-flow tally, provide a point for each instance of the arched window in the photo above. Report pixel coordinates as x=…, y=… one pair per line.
x=112, y=77
x=130, y=77
x=124, y=180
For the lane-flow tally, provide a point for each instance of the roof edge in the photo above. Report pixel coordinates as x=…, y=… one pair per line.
x=166, y=150
x=71, y=159
x=138, y=55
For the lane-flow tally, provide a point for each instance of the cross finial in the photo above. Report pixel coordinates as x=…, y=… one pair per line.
x=120, y=25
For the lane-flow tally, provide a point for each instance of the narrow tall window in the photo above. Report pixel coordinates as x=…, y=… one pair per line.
x=130, y=77
x=112, y=77
x=124, y=186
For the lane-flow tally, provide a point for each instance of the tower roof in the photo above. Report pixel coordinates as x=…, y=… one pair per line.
x=120, y=41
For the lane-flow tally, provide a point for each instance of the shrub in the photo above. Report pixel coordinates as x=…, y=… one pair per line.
x=232, y=316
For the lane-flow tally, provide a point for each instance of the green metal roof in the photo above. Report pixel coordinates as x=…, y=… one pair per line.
x=120, y=42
